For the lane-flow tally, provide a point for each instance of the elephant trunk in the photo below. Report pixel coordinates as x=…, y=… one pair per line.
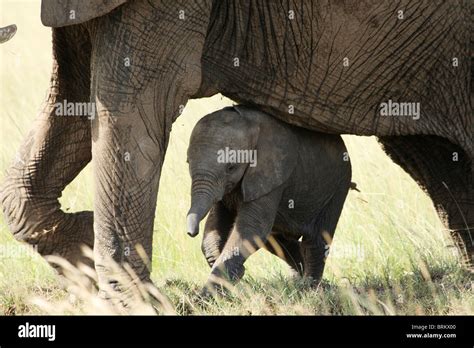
x=202, y=199
x=7, y=33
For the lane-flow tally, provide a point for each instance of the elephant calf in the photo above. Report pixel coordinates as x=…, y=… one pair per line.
x=265, y=184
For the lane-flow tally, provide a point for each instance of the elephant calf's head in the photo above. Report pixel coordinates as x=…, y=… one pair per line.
x=222, y=147
x=233, y=146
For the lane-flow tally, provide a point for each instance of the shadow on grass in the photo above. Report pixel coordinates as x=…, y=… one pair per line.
x=440, y=289
x=431, y=291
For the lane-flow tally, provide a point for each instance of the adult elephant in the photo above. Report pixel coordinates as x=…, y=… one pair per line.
x=322, y=65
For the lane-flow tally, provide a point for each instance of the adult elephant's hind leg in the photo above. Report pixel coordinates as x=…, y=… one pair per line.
x=444, y=170
x=51, y=156
x=144, y=70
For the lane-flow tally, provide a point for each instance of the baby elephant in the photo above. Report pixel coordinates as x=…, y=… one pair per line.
x=265, y=184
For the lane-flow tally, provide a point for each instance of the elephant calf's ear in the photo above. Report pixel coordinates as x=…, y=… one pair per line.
x=277, y=155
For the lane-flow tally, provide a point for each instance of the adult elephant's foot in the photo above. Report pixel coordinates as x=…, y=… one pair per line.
x=122, y=293
x=76, y=233
x=463, y=238
x=40, y=223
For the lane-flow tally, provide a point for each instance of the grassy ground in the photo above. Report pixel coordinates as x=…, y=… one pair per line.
x=390, y=254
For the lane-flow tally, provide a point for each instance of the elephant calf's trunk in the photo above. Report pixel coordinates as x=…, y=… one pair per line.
x=200, y=206
x=193, y=224
x=7, y=33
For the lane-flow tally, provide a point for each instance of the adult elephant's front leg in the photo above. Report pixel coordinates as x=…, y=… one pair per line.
x=127, y=163
x=146, y=64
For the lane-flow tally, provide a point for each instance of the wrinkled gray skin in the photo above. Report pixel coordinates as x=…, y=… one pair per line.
x=291, y=68
x=296, y=190
x=6, y=33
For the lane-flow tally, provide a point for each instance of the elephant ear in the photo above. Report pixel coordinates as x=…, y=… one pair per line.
x=60, y=13
x=277, y=155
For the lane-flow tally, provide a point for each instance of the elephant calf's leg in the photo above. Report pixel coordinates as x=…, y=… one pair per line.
x=315, y=247
x=252, y=227
x=216, y=231
x=288, y=250
x=51, y=156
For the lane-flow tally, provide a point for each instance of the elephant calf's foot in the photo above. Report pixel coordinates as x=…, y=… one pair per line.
x=222, y=279
x=41, y=223
x=214, y=289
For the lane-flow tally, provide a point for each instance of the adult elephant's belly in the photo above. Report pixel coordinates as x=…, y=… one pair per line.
x=360, y=71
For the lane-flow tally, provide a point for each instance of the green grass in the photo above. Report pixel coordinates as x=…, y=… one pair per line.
x=391, y=255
